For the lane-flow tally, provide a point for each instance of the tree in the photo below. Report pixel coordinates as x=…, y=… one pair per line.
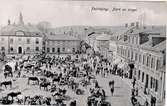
x=44, y=26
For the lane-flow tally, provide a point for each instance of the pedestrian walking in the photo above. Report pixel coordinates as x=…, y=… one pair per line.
x=19, y=74
x=146, y=103
x=153, y=101
x=136, y=91
x=103, y=92
x=112, y=91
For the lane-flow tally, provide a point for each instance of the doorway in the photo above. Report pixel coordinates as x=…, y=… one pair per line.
x=20, y=50
x=58, y=50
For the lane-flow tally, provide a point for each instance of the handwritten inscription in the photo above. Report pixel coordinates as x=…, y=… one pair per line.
x=99, y=9
x=114, y=9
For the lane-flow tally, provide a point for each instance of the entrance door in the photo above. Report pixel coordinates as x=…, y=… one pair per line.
x=20, y=50
x=58, y=50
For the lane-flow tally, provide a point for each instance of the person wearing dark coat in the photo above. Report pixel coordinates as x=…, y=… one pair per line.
x=73, y=103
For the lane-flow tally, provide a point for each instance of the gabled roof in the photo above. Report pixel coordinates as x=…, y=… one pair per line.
x=103, y=37
x=161, y=46
x=61, y=37
x=28, y=30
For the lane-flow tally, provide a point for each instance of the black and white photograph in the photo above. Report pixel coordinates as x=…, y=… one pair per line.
x=83, y=53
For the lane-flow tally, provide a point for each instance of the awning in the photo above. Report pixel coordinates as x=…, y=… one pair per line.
x=116, y=61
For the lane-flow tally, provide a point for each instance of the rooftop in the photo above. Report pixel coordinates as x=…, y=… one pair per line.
x=28, y=30
x=61, y=37
x=103, y=37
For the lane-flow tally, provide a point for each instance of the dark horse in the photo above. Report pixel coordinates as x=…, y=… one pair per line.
x=56, y=79
x=8, y=71
x=44, y=85
x=13, y=94
x=33, y=79
x=6, y=83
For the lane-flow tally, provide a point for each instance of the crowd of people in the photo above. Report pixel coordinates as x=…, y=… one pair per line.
x=57, y=75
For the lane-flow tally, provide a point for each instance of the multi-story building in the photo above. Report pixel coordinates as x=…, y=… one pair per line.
x=143, y=50
x=20, y=38
x=102, y=42
x=62, y=44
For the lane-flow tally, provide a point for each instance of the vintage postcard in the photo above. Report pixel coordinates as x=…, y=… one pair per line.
x=83, y=53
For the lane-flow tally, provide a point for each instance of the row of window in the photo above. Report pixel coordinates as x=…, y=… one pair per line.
x=28, y=41
x=133, y=39
x=53, y=50
x=145, y=59
x=130, y=39
x=27, y=49
x=62, y=43
x=153, y=81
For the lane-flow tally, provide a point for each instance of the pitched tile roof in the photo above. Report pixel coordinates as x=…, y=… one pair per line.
x=61, y=37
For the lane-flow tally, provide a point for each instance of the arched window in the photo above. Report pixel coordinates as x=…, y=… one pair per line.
x=19, y=33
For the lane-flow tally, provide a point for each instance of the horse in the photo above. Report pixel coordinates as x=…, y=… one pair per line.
x=5, y=101
x=57, y=79
x=44, y=85
x=33, y=79
x=13, y=94
x=62, y=91
x=8, y=71
x=6, y=83
x=47, y=101
x=49, y=74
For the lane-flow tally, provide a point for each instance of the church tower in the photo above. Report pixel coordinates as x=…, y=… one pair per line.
x=21, y=22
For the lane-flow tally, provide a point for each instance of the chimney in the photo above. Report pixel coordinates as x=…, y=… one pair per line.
x=126, y=25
